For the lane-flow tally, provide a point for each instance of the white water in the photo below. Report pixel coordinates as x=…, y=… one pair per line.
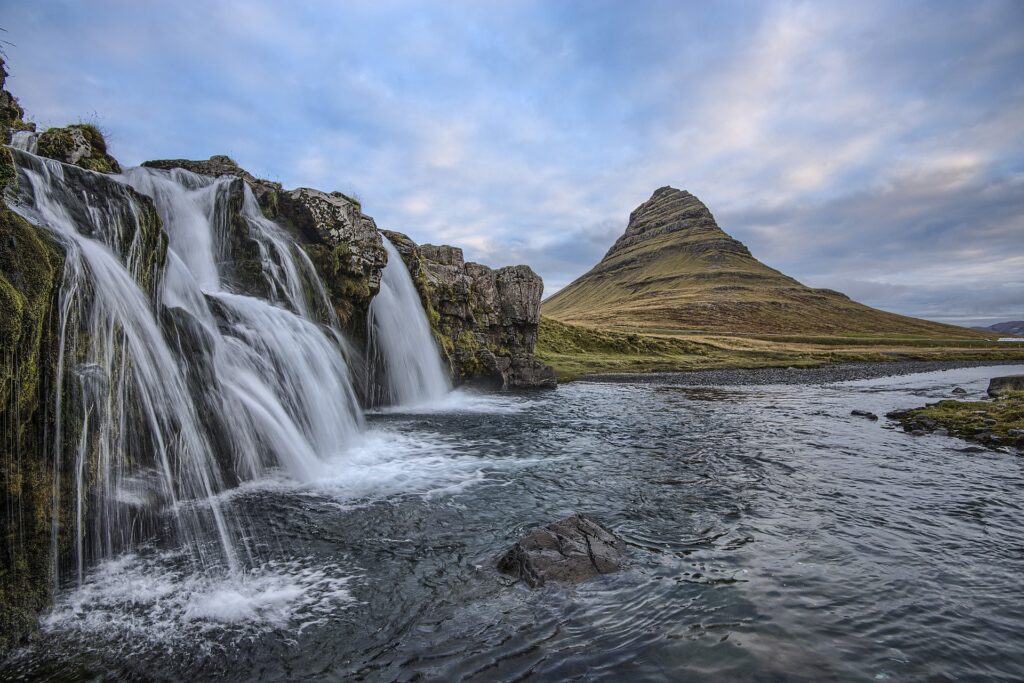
x=139, y=428
x=401, y=342
x=284, y=393
x=25, y=140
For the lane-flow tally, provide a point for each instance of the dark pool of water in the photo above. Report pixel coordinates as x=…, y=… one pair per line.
x=772, y=537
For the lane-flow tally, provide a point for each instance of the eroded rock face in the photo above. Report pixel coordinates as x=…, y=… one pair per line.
x=486, y=320
x=571, y=550
x=998, y=386
x=335, y=219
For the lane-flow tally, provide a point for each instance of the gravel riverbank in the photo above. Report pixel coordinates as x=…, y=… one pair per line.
x=825, y=374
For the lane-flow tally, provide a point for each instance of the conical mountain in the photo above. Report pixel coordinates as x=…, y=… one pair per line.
x=675, y=270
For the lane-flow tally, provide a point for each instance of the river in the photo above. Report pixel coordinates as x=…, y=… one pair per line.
x=772, y=537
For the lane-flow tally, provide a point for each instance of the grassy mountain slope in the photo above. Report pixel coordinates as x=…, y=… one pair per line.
x=675, y=271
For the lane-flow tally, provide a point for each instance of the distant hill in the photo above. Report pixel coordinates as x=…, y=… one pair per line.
x=675, y=270
x=1015, y=327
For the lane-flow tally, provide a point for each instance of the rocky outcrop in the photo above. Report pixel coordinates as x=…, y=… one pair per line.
x=570, y=551
x=80, y=144
x=1000, y=386
x=30, y=270
x=486, y=320
x=343, y=243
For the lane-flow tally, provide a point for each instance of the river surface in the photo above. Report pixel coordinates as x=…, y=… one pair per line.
x=772, y=537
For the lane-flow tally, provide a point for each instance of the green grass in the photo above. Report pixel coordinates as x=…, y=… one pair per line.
x=969, y=419
x=575, y=350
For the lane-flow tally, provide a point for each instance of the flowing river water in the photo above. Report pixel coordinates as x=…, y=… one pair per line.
x=772, y=537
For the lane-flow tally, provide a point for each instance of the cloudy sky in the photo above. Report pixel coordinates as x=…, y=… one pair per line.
x=876, y=148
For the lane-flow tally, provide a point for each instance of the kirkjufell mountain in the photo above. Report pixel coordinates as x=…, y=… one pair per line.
x=674, y=270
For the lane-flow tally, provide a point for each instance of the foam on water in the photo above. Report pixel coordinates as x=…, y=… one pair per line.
x=137, y=600
x=461, y=401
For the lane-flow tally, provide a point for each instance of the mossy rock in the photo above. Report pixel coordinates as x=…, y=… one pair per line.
x=31, y=265
x=80, y=144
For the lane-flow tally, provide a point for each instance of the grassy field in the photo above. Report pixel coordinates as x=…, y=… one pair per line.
x=574, y=350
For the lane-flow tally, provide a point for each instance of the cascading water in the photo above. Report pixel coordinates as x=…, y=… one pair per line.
x=136, y=428
x=184, y=382
x=283, y=391
x=25, y=140
x=402, y=346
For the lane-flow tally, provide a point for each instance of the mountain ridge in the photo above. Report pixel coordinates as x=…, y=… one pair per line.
x=675, y=270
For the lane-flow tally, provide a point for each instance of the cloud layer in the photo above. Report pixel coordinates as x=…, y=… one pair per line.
x=875, y=148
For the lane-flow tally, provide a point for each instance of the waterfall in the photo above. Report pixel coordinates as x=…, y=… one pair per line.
x=138, y=431
x=25, y=140
x=401, y=343
x=186, y=378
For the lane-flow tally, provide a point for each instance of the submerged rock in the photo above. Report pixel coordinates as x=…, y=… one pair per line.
x=864, y=413
x=571, y=550
x=959, y=391
x=998, y=386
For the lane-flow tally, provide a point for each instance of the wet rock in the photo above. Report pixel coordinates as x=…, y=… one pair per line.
x=998, y=386
x=571, y=550
x=959, y=391
x=864, y=413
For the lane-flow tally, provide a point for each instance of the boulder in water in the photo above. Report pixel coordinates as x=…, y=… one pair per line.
x=864, y=413
x=997, y=386
x=571, y=550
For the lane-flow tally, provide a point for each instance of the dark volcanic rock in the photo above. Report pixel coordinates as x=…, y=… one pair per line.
x=864, y=413
x=571, y=550
x=998, y=386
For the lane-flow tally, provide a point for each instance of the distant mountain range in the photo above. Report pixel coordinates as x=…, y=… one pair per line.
x=675, y=270
x=1014, y=327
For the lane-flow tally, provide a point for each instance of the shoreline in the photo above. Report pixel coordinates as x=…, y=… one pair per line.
x=822, y=374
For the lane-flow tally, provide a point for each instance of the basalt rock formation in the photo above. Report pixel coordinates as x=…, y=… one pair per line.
x=486, y=320
x=675, y=270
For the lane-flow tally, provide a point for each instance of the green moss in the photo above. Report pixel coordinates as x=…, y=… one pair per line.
x=270, y=204
x=971, y=419
x=55, y=143
x=30, y=270
x=8, y=172
x=349, y=289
